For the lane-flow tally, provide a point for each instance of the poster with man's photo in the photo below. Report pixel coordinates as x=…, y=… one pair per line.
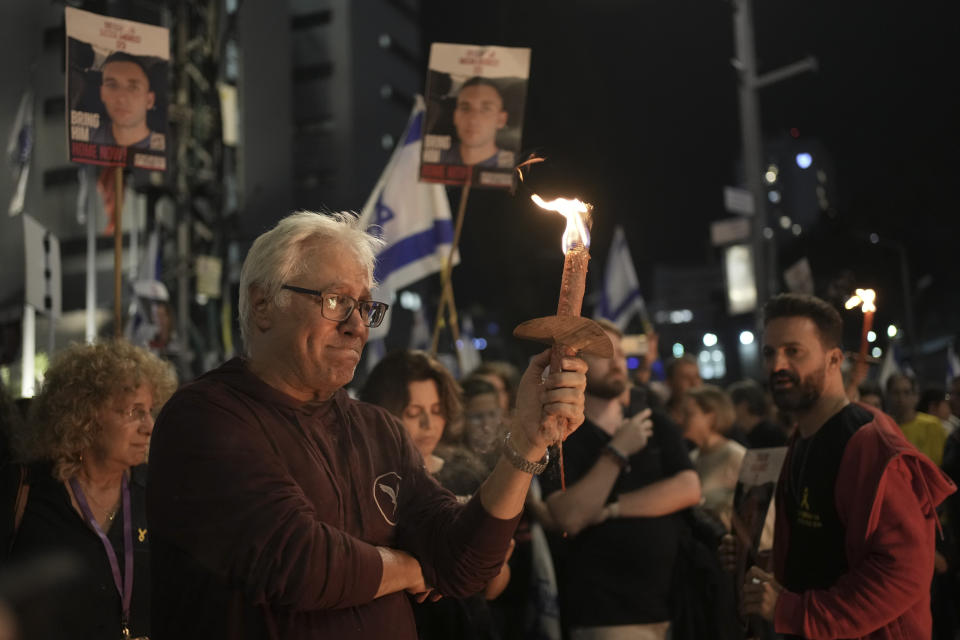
x=752, y=498
x=474, y=120
x=117, y=93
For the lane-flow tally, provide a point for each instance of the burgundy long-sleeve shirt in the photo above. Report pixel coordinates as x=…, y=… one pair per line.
x=265, y=514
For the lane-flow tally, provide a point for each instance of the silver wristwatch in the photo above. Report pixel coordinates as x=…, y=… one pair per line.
x=513, y=457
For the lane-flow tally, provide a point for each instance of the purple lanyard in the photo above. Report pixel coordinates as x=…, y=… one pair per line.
x=124, y=587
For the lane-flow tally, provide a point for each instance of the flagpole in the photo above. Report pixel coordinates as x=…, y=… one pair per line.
x=90, y=332
x=446, y=295
x=455, y=327
x=118, y=253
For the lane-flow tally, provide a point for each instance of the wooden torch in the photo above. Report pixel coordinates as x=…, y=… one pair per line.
x=567, y=332
x=866, y=300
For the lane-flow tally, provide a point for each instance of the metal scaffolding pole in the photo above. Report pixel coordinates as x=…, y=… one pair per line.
x=185, y=116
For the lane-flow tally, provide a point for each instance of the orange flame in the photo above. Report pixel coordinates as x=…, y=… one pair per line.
x=865, y=297
x=577, y=214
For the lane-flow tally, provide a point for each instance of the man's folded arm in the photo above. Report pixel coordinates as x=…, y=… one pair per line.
x=217, y=493
x=460, y=547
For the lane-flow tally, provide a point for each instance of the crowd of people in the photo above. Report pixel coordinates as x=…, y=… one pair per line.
x=281, y=504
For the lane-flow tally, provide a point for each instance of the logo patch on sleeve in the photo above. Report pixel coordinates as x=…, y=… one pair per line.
x=386, y=493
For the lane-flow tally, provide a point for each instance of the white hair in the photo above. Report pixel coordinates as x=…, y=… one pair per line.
x=277, y=255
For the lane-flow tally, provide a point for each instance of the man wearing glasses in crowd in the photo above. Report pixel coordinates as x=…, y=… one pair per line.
x=281, y=508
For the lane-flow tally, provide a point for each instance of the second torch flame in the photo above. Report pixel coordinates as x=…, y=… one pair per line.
x=577, y=213
x=866, y=298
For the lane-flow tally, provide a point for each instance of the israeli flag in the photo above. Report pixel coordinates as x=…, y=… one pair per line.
x=621, y=298
x=413, y=218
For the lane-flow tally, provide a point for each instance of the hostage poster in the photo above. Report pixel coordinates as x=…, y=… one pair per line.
x=474, y=120
x=752, y=499
x=117, y=93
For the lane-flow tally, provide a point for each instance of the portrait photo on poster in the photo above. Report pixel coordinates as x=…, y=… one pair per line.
x=474, y=119
x=117, y=91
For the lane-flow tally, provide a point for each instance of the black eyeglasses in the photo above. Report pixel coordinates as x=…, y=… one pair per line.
x=338, y=306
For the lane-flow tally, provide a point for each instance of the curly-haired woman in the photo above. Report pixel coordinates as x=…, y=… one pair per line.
x=86, y=442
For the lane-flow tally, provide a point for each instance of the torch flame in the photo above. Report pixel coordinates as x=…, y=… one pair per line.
x=577, y=214
x=865, y=297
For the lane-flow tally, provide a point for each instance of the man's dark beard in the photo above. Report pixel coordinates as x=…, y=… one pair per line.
x=802, y=395
x=606, y=388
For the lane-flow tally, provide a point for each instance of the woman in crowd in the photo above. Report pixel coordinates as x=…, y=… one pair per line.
x=482, y=419
x=708, y=413
x=416, y=388
x=504, y=377
x=86, y=445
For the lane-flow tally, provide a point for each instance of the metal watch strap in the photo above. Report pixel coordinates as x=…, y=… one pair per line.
x=513, y=457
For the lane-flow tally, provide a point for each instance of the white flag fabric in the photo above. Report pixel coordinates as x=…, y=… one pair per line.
x=890, y=366
x=621, y=298
x=953, y=365
x=413, y=218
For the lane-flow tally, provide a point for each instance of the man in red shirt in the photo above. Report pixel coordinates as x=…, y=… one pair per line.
x=855, y=522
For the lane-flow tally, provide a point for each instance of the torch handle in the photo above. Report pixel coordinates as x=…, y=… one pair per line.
x=558, y=352
x=867, y=326
x=860, y=368
x=861, y=364
x=572, y=286
x=557, y=424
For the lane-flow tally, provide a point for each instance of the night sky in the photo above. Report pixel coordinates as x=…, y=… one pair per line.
x=634, y=105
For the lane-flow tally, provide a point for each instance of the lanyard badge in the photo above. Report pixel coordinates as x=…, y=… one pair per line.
x=124, y=584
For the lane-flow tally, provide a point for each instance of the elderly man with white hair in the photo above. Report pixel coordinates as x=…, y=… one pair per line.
x=281, y=508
